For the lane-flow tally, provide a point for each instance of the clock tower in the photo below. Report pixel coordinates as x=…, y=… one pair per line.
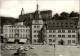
x=37, y=24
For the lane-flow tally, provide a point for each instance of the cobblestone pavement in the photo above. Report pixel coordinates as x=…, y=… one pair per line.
x=42, y=50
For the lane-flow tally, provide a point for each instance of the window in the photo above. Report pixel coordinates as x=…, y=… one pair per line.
x=63, y=35
x=54, y=35
x=69, y=35
x=59, y=35
x=57, y=24
x=37, y=35
x=53, y=31
x=71, y=26
x=73, y=41
x=21, y=30
x=63, y=31
x=69, y=31
x=75, y=23
x=66, y=23
x=34, y=35
x=34, y=31
x=34, y=26
x=50, y=35
x=73, y=31
x=50, y=31
x=35, y=40
x=38, y=26
x=50, y=40
x=66, y=26
x=26, y=30
x=12, y=30
x=73, y=36
x=59, y=31
x=53, y=40
x=69, y=41
x=5, y=35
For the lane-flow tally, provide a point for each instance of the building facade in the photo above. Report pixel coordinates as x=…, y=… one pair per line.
x=37, y=24
x=17, y=32
x=36, y=27
x=62, y=32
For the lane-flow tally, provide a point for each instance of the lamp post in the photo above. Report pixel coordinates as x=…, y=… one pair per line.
x=54, y=50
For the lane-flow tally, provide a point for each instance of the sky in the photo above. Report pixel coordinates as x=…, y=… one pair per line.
x=13, y=8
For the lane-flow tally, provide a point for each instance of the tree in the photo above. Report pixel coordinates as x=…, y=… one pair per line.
x=64, y=15
x=41, y=35
x=74, y=14
x=56, y=16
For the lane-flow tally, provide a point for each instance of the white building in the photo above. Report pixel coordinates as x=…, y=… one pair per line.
x=17, y=32
x=36, y=27
x=62, y=32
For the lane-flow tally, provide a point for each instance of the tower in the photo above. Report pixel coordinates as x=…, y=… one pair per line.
x=37, y=24
x=22, y=11
x=37, y=13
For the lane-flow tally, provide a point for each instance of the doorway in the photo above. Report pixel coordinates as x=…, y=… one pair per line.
x=61, y=42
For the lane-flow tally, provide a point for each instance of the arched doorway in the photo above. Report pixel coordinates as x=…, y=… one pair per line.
x=61, y=42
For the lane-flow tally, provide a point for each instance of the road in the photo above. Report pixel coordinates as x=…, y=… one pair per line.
x=47, y=50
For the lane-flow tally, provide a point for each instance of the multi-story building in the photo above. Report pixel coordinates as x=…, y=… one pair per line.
x=37, y=25
x=17, y=33
x=62, y=32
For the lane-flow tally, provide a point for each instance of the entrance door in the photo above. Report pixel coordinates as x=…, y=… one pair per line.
x=61, y=42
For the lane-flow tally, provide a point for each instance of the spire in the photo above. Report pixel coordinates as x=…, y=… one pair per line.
x=37, y=12
x=37, y=7
x=22, y=11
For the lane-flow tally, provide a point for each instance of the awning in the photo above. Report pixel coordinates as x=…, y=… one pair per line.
x=23, y=40
x=11, y=40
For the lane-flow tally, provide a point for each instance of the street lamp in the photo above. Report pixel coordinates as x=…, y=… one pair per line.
x=54, y=50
